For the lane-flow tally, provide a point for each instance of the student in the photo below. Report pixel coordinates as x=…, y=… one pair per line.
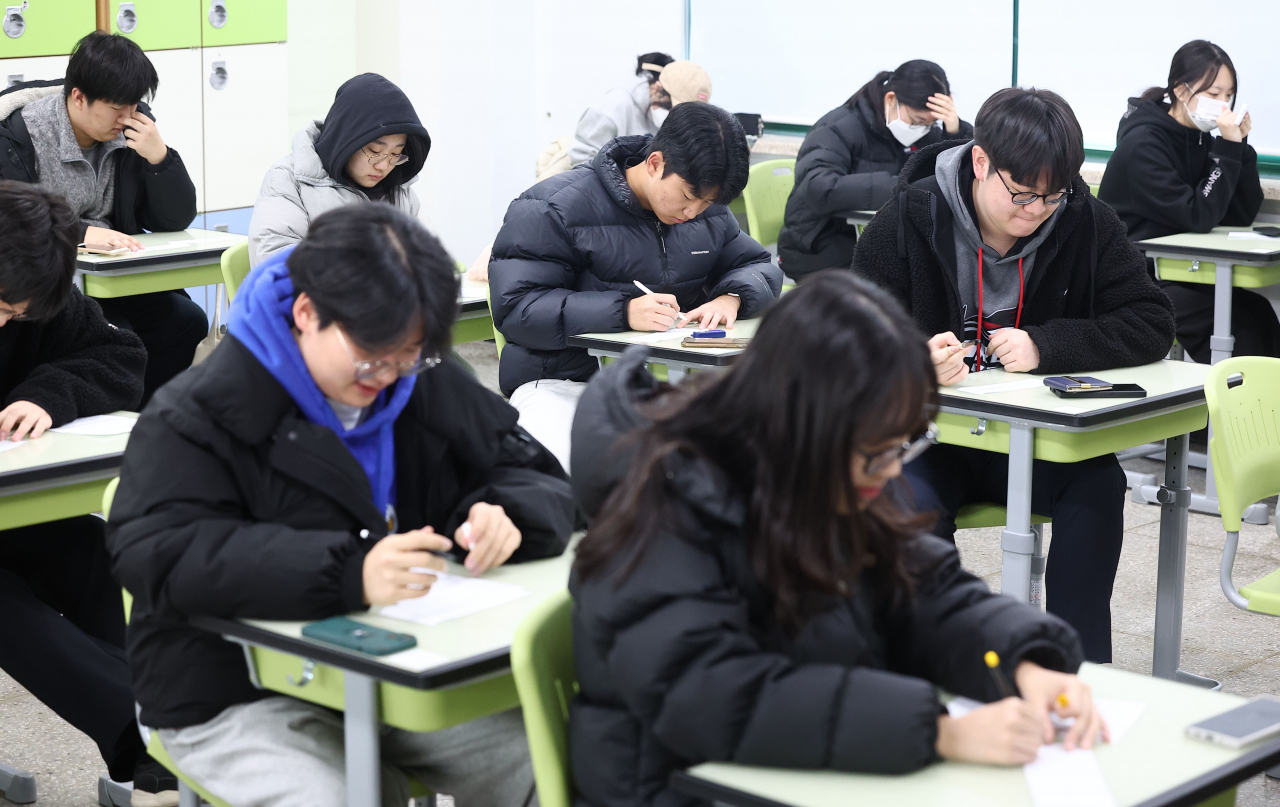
x=371, y=146
x=852, y=156
x=642, y=109
x=1169, y=174
x=1005, y=223
x=750, y=590
x=647, y=209
x=301, y=473
x=91, y=139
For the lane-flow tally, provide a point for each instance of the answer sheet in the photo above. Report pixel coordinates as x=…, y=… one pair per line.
x=1008, y=386
x=1061, y=778
x=453, y=596
x=98, y=425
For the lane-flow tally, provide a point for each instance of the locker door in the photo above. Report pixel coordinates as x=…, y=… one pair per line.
x=32, y=68
x=44, y=27
x=157, y=24
x=243, y=22
x=246, y=120
x=179, y=111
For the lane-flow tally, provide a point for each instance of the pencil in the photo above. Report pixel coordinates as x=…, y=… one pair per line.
x=679, y=315
x=993, y=664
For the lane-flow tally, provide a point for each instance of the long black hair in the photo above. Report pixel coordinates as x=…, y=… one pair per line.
x=835, y=365
x=914, y=82
x=1196, y=64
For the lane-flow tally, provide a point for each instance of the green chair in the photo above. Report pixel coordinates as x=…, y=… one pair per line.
x=235, y=267
x=768, y=185
x=542, y=666
x=498, y=338
x=1093, y=189
x=1245, y=451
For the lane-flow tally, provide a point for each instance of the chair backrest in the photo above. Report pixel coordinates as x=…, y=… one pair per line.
x=542, y=665
x=768, y=185
x=498, y=338
x=1245, y=446
x=235, y=267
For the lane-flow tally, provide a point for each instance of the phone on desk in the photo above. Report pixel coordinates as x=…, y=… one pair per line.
x=1269, y=232
x=1083, y=386
x=101, y=249
x=1256, y=720
x=358, y=636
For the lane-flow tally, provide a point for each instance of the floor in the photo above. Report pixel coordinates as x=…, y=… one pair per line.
x=1242, y=650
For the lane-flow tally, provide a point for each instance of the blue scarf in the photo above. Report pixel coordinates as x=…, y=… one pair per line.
x=261, y=318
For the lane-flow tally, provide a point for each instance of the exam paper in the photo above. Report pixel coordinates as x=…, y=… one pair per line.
x=663, y=336
x=1008, y=386
x=6, y=445
x=1061, y=778
x=99, y=425
x=453, y=596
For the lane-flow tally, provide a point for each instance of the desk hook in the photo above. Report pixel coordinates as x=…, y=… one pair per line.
x=980, y=429
x=308, y=674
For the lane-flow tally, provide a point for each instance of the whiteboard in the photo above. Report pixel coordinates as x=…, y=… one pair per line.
x=1098, y=53
x=794, y=62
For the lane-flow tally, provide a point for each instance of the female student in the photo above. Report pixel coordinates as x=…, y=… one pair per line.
x=852, y=156
x=370, y=147
x=750, y=589
x=1171, y=174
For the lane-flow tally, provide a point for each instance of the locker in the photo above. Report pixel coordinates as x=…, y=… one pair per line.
x=32, y=68
x=44, y=27
x=242, y=22
x=179, y=109
x=246, y=120
x=158, y=24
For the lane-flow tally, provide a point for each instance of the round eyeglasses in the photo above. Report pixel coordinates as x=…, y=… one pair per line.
x=376, y=158
x=366, y=370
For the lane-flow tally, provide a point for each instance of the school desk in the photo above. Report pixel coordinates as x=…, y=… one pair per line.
x=474, y=324
x=171, y=261
x=678, y=360
x=860, y=219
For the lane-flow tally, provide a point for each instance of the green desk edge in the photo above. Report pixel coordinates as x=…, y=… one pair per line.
x=1244, y=277
x=67, y=501
x=147, y=282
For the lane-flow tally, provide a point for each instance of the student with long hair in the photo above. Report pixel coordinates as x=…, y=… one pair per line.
x=750, y=589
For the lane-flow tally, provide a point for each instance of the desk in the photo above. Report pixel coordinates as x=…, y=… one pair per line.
x=474, y=323
x=667, y=351
x=861, y=218
x=171, y=261
x=1033, y=423
x=472, y=681
x=1155, y=765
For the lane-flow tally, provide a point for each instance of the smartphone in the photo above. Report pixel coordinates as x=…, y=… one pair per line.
x=101, y=249
x=1110, y=391
x=358, y=636
x=1256, y=720
x=690, y=341
x=1076, y=383
x=1270, y=232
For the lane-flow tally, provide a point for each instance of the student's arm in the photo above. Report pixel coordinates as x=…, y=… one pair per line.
x=594, y=130
x=830, y=187
x=1247, y=200
x=279, y=217
x=742, y=267
x=167, y=199
x=1162, y=196
x=876, y=257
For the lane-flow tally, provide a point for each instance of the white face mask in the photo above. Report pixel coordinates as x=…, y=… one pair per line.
x=658, y=115
x=905, y=133
x=1205, y=118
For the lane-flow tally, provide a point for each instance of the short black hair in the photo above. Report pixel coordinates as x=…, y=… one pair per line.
x=38, y=237
x=1030, y=133
x=111, y=68
x=378, y=273
x=708, y=149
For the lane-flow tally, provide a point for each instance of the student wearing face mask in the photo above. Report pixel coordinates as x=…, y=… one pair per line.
x=1171, y=173
x=851, y=158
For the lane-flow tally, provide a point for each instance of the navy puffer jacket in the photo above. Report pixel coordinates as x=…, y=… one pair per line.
x=571, y=247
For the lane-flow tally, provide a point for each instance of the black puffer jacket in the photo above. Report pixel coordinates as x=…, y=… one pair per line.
x=1090, y=304
x=231, y=504
x=849, y=161
x=681, y=661
x=571, y=247
x=1165, y=178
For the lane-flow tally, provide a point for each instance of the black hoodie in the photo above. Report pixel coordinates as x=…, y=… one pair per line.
x=364, y=109
x=1166, y=178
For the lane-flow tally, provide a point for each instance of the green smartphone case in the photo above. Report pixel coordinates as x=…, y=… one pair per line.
x=358, y=636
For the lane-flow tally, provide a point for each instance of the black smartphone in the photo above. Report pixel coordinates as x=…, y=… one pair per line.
x=1113, y=391
x=1270, y=232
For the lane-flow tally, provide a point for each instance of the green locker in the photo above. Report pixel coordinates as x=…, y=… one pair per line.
x=242, y=22
x=44, y=27
x=158, y=24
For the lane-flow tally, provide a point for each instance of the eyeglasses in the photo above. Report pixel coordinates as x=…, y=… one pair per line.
x=376, y=158
x=13, y=316
x=879, y=462
x=366, y=370
x=1027, y=197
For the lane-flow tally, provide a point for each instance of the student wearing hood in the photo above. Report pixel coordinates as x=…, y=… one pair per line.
x=370, y=147
x=1170, y=174
x=851, y=158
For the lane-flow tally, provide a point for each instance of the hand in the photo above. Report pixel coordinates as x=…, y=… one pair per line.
x=111, y=238
x=652, y=312
x=1015, y=350
x=1041, y=689
x=1229, y=130
x=945, y=108
x=387, y=576
x=141, y=135
x=489, y=536
x=948, y=359
x=722, y=309
x=1006, y=732
x=1246, y=126
x=479, y=270
x=22, y=417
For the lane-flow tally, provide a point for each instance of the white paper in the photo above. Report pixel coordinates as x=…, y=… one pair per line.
x=663, y=336
x=1061, y=778
x=1008, y=386
x=7, y=445
x=453, y=596
x=416, y=658
x=1246, y=235
x=99, y=425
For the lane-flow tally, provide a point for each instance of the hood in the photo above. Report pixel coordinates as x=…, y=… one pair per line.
x=1155, y=114
x=23, y=93
x=364, y=109
x=610, y=166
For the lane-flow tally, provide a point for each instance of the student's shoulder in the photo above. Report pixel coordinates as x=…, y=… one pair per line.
x=560, y=195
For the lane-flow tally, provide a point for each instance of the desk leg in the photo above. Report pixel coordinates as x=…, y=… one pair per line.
x=1221, y=346
x=675, y=373
x=364, y=759
x=1017, y=540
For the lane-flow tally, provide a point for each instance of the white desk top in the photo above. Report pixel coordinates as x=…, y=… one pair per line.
x=1216, y=243
x=163, y=247
x=471, y=291
x=615, y=343
x=54, y=454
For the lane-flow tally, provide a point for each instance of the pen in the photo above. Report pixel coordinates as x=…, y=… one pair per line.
x=993, y=664
x=646, y=290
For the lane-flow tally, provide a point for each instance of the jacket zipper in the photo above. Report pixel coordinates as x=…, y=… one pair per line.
x=662, y=246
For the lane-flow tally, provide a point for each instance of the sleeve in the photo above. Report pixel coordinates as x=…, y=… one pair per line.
x=532, y=275
x=595, y=129
x=1247, y=200
x=168, y=200
x=832, y=185
x=279, y=217
x=744, y=268
x=1163, y=197
x=86, y=366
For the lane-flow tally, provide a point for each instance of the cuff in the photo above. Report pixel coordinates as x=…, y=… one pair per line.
x=170, y=158
x=1227, y=148
x=351, y=583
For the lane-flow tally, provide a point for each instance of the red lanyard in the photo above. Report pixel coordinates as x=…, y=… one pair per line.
x=1017, y=321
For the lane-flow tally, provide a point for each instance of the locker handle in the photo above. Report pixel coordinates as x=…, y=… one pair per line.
x=14, y=23
x=217, y=13
x=218, y=75
x=127, y=19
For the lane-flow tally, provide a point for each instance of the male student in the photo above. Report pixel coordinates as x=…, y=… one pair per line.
x=61, y=360
x=91, y=139
x=307, y=470
x=648, y=208
x=998, y=241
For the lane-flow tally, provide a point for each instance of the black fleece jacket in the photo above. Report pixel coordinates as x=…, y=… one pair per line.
x=1165, y=178
x=1089, y=306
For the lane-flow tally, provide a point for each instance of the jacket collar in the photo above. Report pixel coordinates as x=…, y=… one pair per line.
x=610, y=168
x=56, y=117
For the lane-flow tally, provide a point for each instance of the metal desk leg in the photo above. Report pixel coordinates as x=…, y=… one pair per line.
x=675, y=374
x=1038, y=563
x=1017, y=540
x=364, y=760
x=1221, y=346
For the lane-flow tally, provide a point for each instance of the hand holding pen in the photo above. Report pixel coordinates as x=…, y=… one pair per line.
x=653, y=312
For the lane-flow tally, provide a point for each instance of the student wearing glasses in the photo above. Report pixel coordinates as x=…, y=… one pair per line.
x=370, y=147
x=307, y=470
x=998, y=250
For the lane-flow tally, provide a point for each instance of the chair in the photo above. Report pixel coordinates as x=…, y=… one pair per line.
x=235, y=267
x=498, y=338
x=768, y=185
x=542, y=666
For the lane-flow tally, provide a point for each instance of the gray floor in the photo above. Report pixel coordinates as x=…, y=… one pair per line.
x=1242, y=650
